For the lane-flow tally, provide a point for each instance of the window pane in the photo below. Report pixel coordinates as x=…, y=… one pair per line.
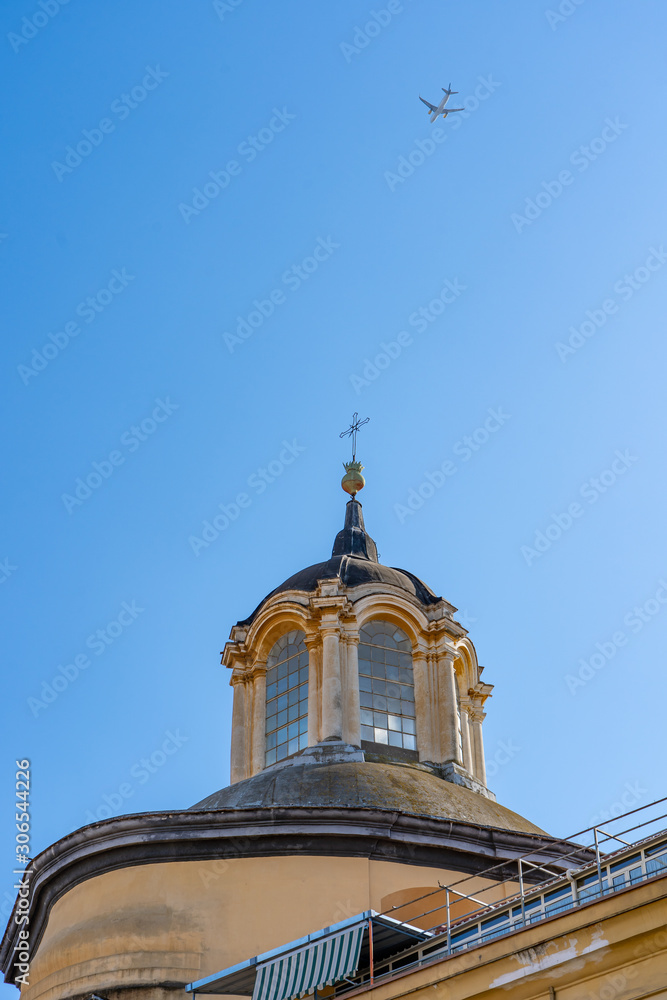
x=286, y=697
x=385, y=653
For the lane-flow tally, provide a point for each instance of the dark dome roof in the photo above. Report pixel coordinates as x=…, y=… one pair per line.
x=353, y=561
x=365, y=785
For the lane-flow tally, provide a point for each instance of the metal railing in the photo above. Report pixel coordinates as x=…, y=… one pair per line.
x=602, y=875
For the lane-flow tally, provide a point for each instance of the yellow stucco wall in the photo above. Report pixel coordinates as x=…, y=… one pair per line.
x=177, y=922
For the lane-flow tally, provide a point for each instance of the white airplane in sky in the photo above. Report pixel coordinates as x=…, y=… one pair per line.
x=440, y=109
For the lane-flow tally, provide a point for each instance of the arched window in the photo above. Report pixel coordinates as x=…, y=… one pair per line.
x=286, y=697
x=386, y=686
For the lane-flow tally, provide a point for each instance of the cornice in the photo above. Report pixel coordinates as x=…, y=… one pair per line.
x=169, y=837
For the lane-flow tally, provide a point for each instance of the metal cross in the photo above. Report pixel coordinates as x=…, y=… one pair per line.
x=352, y=432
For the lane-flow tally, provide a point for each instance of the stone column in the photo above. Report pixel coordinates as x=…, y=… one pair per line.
x=258, y=760
x=468, y=762
x=332, y=693
x=350, y=674
x=449, y=723
x=477, y=741
x=314, y=688
x=239, y=750
x=423, y=707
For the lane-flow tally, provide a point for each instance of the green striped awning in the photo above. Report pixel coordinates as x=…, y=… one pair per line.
x=318, y=964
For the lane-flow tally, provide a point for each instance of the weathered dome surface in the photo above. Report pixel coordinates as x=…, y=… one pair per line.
x=366, y=785
x=354, y=562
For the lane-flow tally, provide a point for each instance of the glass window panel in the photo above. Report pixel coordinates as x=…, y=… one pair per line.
x=303, y=675
x=270, y=757
x=293, y=745
x=282, y=685
x=293, y=712
x=367, y=733
x=303, y=741
x=281, y=718
x=270, y=741
x=385, y=653
x=365, y=699
x=270, y=691
x=293, y=696
x=303, y=725
x=281, y=703
x=282, y=669
x=293, y=730
x=366, y=717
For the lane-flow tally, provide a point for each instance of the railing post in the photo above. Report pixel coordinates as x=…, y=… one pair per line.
x=597, y=858
x=370, y=949
x=523, y=902
x=449, y=925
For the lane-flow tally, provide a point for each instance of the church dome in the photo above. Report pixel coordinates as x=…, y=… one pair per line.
x=354, y=561
x=366, y=785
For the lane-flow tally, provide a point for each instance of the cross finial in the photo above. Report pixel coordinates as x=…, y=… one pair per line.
x=352, y=432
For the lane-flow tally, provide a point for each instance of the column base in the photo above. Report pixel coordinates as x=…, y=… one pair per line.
x=450, y=770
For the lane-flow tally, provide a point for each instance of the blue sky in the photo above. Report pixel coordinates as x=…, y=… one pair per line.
x=539, y=221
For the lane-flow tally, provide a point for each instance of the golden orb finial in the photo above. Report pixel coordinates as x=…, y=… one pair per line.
x=352, y=481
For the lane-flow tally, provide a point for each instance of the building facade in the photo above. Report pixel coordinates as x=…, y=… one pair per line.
x=357, y=785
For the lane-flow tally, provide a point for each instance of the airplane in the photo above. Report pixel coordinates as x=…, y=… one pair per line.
x=440, y=109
